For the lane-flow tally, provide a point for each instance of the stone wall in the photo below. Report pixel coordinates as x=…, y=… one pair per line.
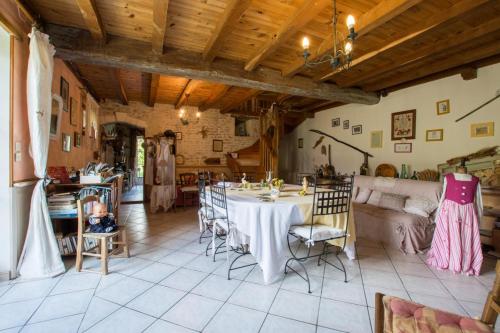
x=193, y=147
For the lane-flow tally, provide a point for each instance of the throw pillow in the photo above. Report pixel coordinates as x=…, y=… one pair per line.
x=363, y=195
x=392, y=201
x=374, y=198
x=420, y=206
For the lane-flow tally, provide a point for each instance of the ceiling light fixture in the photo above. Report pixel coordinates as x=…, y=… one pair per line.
x=183, y=116
x=342, y=47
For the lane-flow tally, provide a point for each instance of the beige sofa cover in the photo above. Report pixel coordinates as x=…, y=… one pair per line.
x=399, y=230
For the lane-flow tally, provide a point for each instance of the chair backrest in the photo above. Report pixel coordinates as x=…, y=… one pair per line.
x=219, y=199
x=334, y=200
x=82, y=215
x=187, y=178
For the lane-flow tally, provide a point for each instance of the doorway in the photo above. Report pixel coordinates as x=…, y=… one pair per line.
x=136, y=192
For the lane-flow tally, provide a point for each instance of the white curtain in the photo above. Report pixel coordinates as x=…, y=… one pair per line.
x=40, y=257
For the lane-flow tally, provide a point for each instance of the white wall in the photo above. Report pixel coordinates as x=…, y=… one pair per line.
x=463, y=95
x=6, y=252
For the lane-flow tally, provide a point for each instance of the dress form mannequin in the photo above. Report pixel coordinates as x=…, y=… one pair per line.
x=456, y=244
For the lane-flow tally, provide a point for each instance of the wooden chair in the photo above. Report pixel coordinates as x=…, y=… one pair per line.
x=188, y=188
x=492, y=306
x=103, y=240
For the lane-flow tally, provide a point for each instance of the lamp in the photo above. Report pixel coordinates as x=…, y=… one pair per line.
x=183, y=115
x=342, y=47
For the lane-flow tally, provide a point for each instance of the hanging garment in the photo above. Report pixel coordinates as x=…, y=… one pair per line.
x=456, y=245
x=40, y=257
x=162, y=163
x=150, y=164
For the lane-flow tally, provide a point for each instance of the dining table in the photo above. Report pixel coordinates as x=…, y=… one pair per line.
x=262, y=223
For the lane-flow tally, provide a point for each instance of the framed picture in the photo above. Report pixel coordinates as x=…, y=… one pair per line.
x=403, y=125
x=434, y=135
x=64, y=92
x=480, y=130
x=77, y=139
x=346, y=124
x=358, y=129
x=178, y=135
x=55, y=116
x=73, y=111
x=179, y=159
x=443, y=107
x=217, y=146
x=83, y=108
x=402, y=147
x=376, y=139
x=66, y=142
x=336, y=122
x=301, y=143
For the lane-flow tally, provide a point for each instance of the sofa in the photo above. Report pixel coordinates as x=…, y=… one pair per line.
x=397, y=212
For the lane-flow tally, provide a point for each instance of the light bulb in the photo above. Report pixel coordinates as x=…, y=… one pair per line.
x=198, y=114
x=305, y=43
x=348, y=47
x=350, y=21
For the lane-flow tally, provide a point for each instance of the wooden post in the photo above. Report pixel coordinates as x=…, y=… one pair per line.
x=491, y=307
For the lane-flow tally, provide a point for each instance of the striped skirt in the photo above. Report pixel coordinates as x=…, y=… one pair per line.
x=456, y=244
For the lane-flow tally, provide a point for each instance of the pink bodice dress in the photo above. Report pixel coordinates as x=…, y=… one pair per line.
x=456, y=244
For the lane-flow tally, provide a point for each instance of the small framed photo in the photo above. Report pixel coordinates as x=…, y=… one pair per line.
x=346, y=124
x=357, y=129
x=301, y=143
x=77, y=139
x=56, y=116
x=403, y=125
x=434, y=135
x=178, y=136
x=66, y=142
x=480, y=130
x=376, y=139
x=179, y=159
x=443, y=107
x=336, y=122
x=64, y=92
x=402, y=147
x=73, y=111
x=217, y=146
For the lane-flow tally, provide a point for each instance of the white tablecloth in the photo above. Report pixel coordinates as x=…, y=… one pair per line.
x=265, y=225
x=162, y=196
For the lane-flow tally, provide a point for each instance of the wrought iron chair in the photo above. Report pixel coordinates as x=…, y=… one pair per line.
x=224, y=229
x=205, y=210
x=326, y=202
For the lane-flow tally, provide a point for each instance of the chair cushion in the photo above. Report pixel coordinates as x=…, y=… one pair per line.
x=319, y=232
x=420, y=206
x=392, y=201
x=374, y=198
x=362, y=195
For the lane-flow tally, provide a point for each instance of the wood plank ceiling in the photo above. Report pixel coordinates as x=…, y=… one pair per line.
x=221, y=53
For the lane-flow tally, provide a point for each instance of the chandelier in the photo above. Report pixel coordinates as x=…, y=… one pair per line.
x=342, y=47
x=183, y=116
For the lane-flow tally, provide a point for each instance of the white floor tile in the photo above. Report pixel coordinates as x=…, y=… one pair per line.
x=216, y=287
x=344, y=316
x=184, y=279
x=297, y=306
x=293, y=282
x=161, y=326
x=21, y=291
x=154, y=253
x=422, y=285
x=178, y=258
x=233, y=318
x=193, y=312
x=254, y=296
x=376, y=263
x=155, y=272
x=17, y=314
x=76, y=282
x=399, y=256
x=124, y=290
x=127, y=266
x=124, y=321
x=156, y=301
x=381, y=279
x=439, y=303
x=346, y=292
x=61, y=325
x=172, y=243
x=62, y=305
x=98, y=309
x=274, y=324
x=205, y=264
x=326, y=330
x=416, y=269
x=371, y=291
x=472, y=291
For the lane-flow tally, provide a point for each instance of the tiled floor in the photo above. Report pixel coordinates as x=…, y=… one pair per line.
x=135, y=194
x=168, y=285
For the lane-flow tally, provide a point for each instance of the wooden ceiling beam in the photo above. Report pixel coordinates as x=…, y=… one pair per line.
x=215, y=98
x=432, y=23
x=153, y=91
x=76, y=72
x=75, y=45
x=160, y=8
x=303, y=15
x=320, y=106
x=472, y=53
x=384, y=11
x=232, y=13
x=250, y=93
x=186, y=91
x=118, y=83
x=146, y=87
x=92, y=19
